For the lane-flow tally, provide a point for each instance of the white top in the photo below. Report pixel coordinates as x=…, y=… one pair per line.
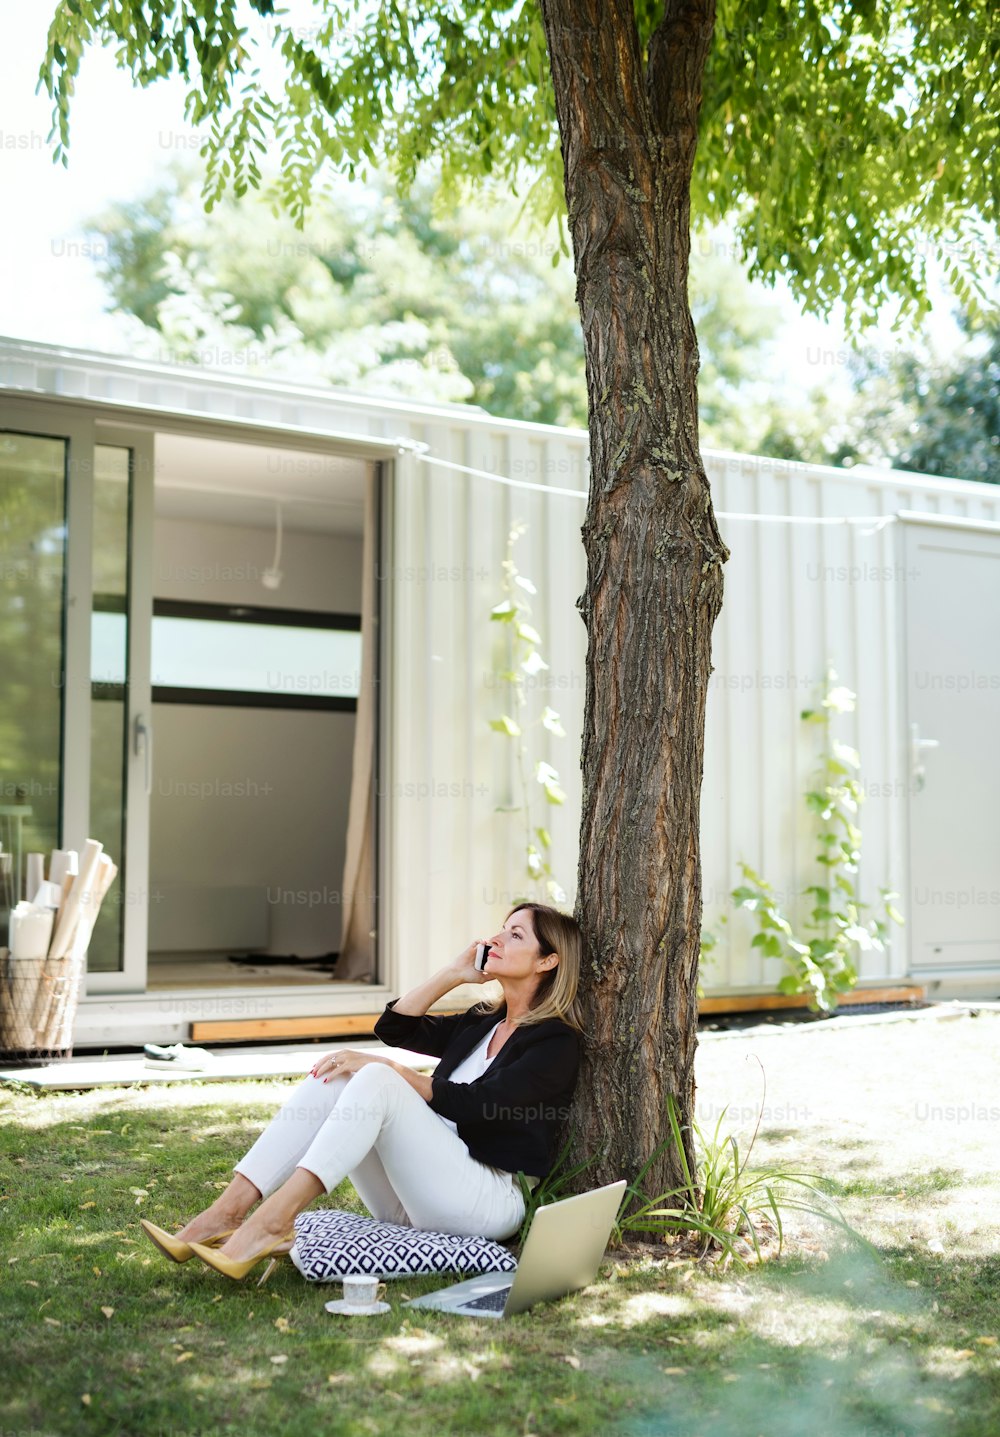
x=472, y=1066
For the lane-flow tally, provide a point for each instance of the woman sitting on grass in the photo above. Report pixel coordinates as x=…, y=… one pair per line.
x=439, y=1152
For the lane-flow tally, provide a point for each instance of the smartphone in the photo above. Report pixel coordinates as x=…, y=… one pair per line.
x=482, y=953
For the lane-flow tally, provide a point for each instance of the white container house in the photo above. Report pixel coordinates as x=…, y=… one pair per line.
x=204, y=576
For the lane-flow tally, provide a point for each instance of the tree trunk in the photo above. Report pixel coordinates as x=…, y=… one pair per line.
x=654, y=567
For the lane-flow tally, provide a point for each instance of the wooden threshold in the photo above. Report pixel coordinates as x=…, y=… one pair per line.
x=355, y=1025
x=348, y=1025
x=765, y=1002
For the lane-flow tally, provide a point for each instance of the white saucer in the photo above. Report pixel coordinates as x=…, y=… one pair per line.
x=349, y=1309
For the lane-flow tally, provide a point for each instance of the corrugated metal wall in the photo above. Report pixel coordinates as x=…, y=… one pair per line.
x=457, y=863
x=798, y=597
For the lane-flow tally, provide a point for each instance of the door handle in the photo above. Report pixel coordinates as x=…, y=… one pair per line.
x=917, y=747
x=144, y=744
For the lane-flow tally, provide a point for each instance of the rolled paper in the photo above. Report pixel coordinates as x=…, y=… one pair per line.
x=56, y=971
x=34, y=874
x=57, y=1030
x=63, y=861
x=48, y=896
x=79, y=896
x=30, y=931
x=55, y=1023
x=103, y=879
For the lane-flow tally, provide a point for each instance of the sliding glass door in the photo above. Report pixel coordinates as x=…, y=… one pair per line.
x=33, y=473
x=75, y=616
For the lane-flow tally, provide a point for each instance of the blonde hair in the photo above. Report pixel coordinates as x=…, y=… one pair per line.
x=556, y=994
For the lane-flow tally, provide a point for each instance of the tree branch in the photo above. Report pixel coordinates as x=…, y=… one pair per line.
x=678, y=51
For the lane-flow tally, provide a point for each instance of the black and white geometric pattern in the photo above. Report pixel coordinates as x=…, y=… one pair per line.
x=331, y=1244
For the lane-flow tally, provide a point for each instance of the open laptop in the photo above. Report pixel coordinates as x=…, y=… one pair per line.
x=562, y=1253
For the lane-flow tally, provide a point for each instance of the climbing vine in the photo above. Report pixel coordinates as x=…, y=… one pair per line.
x=821, y=955
x=518, y=680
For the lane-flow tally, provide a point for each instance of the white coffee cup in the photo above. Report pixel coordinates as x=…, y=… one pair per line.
x=361, y=1291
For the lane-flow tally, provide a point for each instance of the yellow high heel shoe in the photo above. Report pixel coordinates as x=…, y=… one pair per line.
x=238, y=1268
x=175, y=1247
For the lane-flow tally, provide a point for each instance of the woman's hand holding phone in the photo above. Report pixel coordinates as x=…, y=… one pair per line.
x=469, y=965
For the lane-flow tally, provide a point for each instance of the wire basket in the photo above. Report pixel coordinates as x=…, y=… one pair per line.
x=38, y=1000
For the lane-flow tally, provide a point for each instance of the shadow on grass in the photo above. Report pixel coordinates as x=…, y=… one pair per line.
x=839, y=1349
x=852, y=1347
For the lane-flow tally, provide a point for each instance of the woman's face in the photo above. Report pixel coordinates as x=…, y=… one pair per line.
x=514, y=951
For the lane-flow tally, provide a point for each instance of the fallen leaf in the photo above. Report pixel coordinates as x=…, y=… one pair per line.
x=108, y=1311
x=182, y=1357
x=987, y=1341
x=574, y=1362
x=85, y=1399
x=96, y=1271
x=964, y=1352
x=283, y=1357
x=29, y=1282
x=935, y=1244
x=52, y=1321
x=674, y=1371
x=84, y=1205
x=282, y=1324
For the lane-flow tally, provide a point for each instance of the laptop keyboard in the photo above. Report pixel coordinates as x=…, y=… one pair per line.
x=490, y=1301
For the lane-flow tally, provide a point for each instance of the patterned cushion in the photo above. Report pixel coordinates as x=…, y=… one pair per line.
x=330, y=1244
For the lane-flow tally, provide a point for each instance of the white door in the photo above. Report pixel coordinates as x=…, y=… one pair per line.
x=121, y=742
x=75, y=617
x=952, y=675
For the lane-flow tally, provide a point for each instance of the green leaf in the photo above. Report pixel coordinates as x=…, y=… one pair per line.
x=745, y=897
x=505, y=612
x=769, y=944
x=528, y=634
x=506, y=725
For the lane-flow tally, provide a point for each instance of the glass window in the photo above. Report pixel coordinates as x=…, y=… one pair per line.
x=255, y=658
x=109, y=689
x=32, y=599
x=213, y=654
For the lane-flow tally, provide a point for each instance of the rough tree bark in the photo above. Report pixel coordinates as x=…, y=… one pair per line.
x=628, y=130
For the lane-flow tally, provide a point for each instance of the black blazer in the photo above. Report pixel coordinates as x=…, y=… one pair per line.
x=511, y=1117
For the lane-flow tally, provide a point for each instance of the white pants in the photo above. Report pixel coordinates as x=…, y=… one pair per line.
x=408, y=1166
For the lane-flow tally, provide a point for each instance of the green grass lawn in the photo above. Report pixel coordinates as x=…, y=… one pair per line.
x=102, y=1335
